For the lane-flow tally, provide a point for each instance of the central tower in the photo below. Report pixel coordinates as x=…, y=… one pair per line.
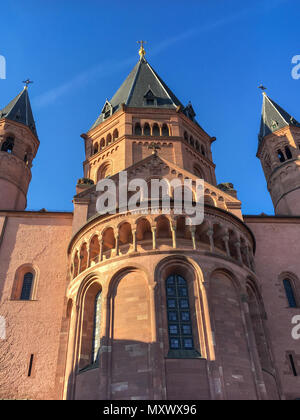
x=158, y=309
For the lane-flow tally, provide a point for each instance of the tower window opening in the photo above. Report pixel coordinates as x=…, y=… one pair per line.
x=293, y=366
x=281, y=156
x=30, y=365
x=165, y=130
x=155, y=130
x=150, y=102
x=138, y=129
x=146, y=129
x=288, y=152
x=8, y=145
x=288, y=287
x=179, y=317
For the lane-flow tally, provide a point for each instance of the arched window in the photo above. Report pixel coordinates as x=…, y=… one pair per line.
x=102, y=144
x=281, y=156
x=290, y=293
x=115, y=134
x=155, y=131
x=96, y=148
x=165, y=130
x=202, y=150
x=288, y=152
x=8, y=145
x=179, y=317
x=138, y=129
x=27, y=286
x=192, y=142
x=96, y=330
x=146, y=129
x=108, y=139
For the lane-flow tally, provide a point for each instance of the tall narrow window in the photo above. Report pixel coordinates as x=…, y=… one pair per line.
x=138, y=129
x=292, y=363
x=281, y=156
x=97, y=324
x=288, y=152
x=147, y=130
x=165, y=130
x=290, y=293
x=179, y=317
x=27, y=286
x=30, y=365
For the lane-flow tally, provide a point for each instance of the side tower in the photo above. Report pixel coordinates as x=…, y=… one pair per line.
x=18, y=146
x=279, y=153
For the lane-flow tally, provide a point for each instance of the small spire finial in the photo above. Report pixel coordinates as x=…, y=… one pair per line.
x=263, y=88
x=27, y=82
x=142, y=51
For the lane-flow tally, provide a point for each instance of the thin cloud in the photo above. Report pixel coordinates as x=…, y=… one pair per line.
x=101, y=69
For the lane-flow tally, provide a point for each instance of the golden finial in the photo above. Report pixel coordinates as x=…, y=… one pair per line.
x=142, y=51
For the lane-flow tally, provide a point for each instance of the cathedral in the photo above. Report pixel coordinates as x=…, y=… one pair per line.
x=132, y=306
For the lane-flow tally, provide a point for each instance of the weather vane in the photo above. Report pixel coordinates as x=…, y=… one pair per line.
x=142, y=51
x=262, y=87
x=27, y=82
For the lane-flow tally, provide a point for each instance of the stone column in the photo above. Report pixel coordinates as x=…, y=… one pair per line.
x=101, y=249
x=173, y=230
x=225, y=239
x=193, y=234
x=210, y=234
x=252, y=346
x=117, y=243
x=134, y=244
x=153, y=236
x=238, y=250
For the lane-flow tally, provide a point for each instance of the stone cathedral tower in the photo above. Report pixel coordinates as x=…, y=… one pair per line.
x=144, y=306
x=137, y=298
x=18, y=146
x=279, y=153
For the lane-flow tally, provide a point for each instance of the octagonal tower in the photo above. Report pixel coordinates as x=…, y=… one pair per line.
x=157, y=309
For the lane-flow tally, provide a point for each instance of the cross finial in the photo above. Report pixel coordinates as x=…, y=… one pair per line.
x=142, y=51
x=154, y=147
x=263, y=88
x=27, y=82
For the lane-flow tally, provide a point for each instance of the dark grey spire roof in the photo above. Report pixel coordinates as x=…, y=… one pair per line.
x=19, y=110
x=273, y=118
x=141, y=84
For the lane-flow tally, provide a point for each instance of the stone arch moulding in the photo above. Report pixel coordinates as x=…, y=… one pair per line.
x=192, y=273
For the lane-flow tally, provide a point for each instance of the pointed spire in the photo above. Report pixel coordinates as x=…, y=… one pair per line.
x=19, y=110
x=135, y=89
x=273, y=118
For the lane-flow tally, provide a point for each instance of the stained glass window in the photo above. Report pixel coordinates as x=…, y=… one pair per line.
x=97, y=324
x=179, y=319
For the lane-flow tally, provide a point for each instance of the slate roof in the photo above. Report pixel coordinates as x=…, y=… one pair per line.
x=273, y=118
x=19, y=110
x=142, y=83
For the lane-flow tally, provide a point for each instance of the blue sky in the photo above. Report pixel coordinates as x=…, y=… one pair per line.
x=214, y=53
